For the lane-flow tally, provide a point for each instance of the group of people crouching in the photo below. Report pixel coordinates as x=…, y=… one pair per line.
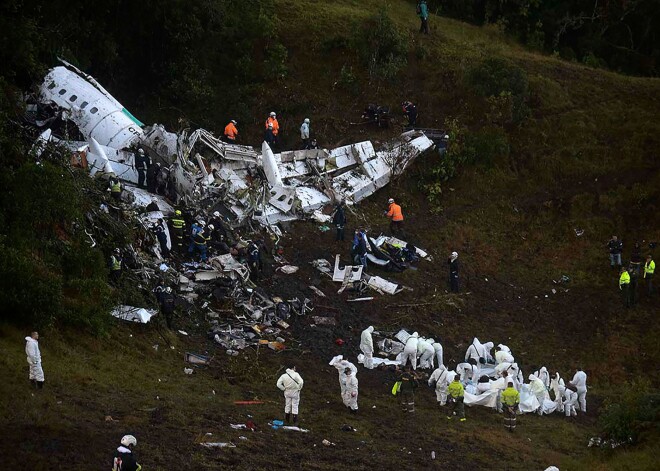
x=481, y=379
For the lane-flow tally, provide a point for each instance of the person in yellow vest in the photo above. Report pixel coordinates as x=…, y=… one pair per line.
x=624, y=286
x=455, y=396
x=115, y=266
x=115, y=188
x=649, y=270
x=510, y=399
x=231, y=132
x=178, y=228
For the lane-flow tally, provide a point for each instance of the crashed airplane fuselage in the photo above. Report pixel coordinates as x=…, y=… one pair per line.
x=261, y=185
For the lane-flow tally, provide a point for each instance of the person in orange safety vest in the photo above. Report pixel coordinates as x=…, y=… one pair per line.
x=396, y=217
x=231, y=133
x=272, y=119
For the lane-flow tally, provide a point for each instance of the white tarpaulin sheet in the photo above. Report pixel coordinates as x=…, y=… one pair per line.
x=378, y=361
x=133, y=314
x=381, y=284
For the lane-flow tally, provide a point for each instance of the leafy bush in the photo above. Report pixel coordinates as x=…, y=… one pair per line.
x=636, y=410
x=381, y=46
x=275, y=65
x=496, y=78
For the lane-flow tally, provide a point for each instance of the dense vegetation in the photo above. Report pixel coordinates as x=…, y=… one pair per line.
x=619, y=34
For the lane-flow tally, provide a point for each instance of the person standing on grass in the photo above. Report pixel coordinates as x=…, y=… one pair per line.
x=649, y=270
x=510, y=398
x=396, y=217
x=624, y=286
x=616, y=248
x=456, y=396
x=453, y=272
x=423, y=13
x=291, y=383
x=33, y=353
x=408, y=385
x=339, y=220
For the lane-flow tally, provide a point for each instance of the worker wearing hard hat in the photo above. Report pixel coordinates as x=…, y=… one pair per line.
x=124, y=459
x=304, y=133
x=396, y=217
x=231, y=132
x=272, y=128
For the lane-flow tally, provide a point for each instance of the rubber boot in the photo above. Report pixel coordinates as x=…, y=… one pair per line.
x=40, y=384
x=287, y=418
x=295, y=419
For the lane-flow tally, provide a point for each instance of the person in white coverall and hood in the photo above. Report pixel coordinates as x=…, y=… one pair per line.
x=367, y=347
x=350, y=390
x=36, y=374
x=425, y=351
x=580, y=382
x=410, y=351
x=342, y=365
x=538, y=388
x=441, y=379
x=291, y=383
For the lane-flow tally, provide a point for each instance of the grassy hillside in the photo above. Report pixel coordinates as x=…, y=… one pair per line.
x=575, y=148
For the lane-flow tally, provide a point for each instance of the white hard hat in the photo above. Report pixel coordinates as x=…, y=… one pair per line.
x=307, y=120
x=202, y=223
x=391, y=200
x=454, y=254
x=272, y=113
x=167, y=290
x=211, y=228
x=234, y=121
x=117, y=250
x=128, y=440
x=216, y=214
x=141, y=151
x=446, y=136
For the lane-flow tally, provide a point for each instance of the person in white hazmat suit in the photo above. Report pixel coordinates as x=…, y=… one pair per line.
x=544, y=376
x=350, y=390
x=33, y=353
x=570, y=401
x=557, y=387
x=367, y=347
x=503, y=355
x=291, y=383
x=537, y=387
x=410, y=351
x=580, y=382
x=342, y=365
x=440, y=377
x=468, y=372
x=425, y=351
x=480, y=352
x=437, y=347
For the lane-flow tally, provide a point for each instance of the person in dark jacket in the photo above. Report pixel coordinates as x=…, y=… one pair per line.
x=142, y=164
x=616, y=247
x=167, y=305
x=339, y=220
x=255, y=262
x=152, y=173
x=423, y=13
x=409, y=384
x=360, y=242
x=453, y=272
x=124, y=458
x=410, y=110
x=159, y=231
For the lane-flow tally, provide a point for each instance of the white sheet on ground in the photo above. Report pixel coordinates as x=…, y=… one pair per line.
x=133, y=314
x=486, y=399
x=378, y=361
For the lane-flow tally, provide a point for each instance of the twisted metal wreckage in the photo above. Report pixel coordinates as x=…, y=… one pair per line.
x=245, y=185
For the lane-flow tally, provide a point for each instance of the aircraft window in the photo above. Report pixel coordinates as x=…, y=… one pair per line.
x=62, y=92
x=93, y=110
x=73, y=98
x=52, y=85
x=83, y=105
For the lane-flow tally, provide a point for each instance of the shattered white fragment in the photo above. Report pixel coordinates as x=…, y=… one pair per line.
x=133, y=314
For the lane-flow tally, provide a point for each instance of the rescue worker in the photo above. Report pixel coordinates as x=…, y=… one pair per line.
x=152, y=173
x=425, y=353
x=410, y=110
x=339, y=220
x=537, y=387
x=291, y=383
x=503, y=354
x=407, y=390
x=313, y=144
x=231, y=132
x=269, y=137
x=216, y=220
x=544, y=376
x=439, y=379
x=194, y=230
x=115, y=188
x=255, y=262
x=396, y=217
x=453, y=272
x=570, y=400
x=557, y=387
x=580, y=382
x=360, y=244
x=510, y=398
x=36, y=374
x=142, y=164
x=200, y=240
x=161, y=235
x=616, y=247
x=438, y=352
x=456, y=395
x=624, y=286
x=342, y=365
x=350, y=394
x=167, y=306
x=410, y=351
x=116, y=263
x=124, y=459
x=159, y=290
x=649, y=270
x=162, y=179
x=178, y=228
x=468, y=372
x=423, y=13
x=304, y=133
x=274, y=125
x=367, y=347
